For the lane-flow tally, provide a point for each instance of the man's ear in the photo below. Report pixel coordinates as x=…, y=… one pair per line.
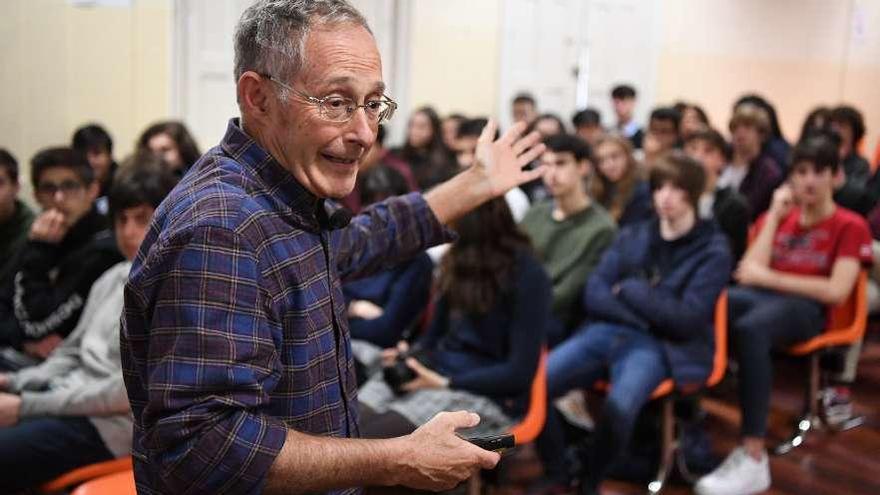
x=255, y=98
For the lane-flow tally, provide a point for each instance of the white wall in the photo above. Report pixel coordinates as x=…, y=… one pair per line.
x=64, y=66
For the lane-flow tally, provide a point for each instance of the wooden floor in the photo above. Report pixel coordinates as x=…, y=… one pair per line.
x=844, y=463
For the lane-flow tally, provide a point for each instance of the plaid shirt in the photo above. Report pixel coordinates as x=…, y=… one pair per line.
x=234, y=327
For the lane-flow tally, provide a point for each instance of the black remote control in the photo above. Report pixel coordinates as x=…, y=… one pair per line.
x=495, y=442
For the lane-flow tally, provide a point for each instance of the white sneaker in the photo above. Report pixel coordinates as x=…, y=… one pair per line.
x=739, y=474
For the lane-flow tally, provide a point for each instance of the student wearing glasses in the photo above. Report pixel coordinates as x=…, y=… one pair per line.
x=69, y=246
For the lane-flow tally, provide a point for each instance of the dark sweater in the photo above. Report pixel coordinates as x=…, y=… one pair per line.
x=53, y=280
x=731, y=211
x=667, y=288
x=639, y=208
x=763, y=177
x=495, y=354
x=402, y=292
x=13, y=236
x=569, y=250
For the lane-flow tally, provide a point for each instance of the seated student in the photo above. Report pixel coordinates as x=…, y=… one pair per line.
x=482, y=346
x=775, y=146
x=430, y=160
x=69, y=246
x=171, y=141
x=752, y=172
x=450, y=125
x=588, y=125
x=547, y=124
x=807, y=256
x=623, y=100
x=728, y=207
x=569, y=232
x=693, y=120
x=857, y=191
x=618, y=185
x=15, y=221
x=94, y=142
x=382, y=306
x=662, y=135
x=650, y=305
x=72, y=410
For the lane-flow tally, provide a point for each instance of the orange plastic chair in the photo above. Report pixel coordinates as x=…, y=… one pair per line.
x=121, y=483
x=528, y=429
x=86, y=473
x=531, y=424
x=846, y=326
x=670, y=452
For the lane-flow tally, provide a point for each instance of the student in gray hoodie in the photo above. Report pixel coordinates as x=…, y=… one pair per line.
x=72, y=409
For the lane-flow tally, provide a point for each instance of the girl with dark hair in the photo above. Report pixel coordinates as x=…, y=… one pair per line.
x=818, y=120
x=428, y=156
x=693, y=120
x=481, y=348
x=95, y=143
x=775, y=145
x=171, y=141
x=618, y=185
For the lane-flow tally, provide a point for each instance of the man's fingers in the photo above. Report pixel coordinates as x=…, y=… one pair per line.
x=513, y=134
x=488, y=459
x=460, y=419
x=488, y=134
x=531, y=155
x=530, y=175
x=526, y=142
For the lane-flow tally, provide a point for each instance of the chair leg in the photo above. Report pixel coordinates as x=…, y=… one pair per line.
x=669, y=446
x=811, y=419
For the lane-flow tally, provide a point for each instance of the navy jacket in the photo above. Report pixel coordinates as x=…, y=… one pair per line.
x=675, y=303
x=402, y=292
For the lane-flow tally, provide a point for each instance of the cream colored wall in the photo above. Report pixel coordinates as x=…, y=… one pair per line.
x=797, y=53
x=64, y=66
x=454, y=55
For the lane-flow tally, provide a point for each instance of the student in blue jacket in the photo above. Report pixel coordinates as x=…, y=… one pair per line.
x=650, y=305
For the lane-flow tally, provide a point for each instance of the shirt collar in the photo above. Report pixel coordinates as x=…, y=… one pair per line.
x=281, y=186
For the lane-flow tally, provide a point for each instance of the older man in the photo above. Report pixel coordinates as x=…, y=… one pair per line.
x=235, y=343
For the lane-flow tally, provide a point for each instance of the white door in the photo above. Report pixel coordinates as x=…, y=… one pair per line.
x=569, y=53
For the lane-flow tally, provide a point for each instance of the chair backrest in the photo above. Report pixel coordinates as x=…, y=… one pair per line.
x=85, y=473
x=847, y=321
x=113, y=484
x=844, y=315
x=528, y=429
x=719, y=363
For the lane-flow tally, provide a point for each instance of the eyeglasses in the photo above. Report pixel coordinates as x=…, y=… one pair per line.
x=49, y=189
x=340, y=109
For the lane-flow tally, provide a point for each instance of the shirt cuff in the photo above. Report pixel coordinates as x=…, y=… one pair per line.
x=37, y=404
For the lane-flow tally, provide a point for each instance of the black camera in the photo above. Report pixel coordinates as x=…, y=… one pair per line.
x=399, y=374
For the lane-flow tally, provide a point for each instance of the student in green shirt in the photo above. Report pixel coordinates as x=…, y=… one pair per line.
x=569, y=231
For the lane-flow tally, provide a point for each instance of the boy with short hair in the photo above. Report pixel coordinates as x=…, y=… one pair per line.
x=69, y=246
x=569, y=231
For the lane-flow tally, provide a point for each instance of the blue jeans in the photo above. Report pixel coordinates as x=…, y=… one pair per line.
x=634, y=363
x=37, y=450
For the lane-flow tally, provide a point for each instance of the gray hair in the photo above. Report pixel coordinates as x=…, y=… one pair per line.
x=271, y=34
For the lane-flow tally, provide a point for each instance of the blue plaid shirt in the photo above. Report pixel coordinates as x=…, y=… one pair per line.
x=234, y=328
